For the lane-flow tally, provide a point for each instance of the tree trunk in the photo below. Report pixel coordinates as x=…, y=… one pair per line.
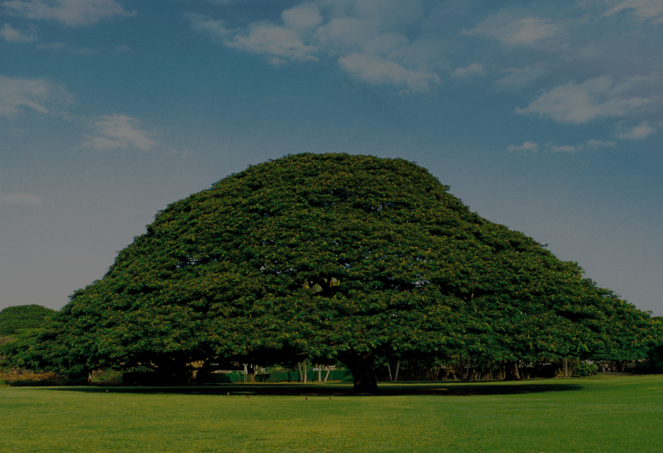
x=466, y=371
x=299, y=366
x=253, y=370
x=512, y=372
x=566, y=367
x=391, y=378
x=363, y=372
x=398, y=365
x=327, y=375
x=319, y=373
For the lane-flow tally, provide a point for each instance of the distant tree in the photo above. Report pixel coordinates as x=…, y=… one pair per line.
x=334, y=257
x=13, y=319
x=20, y=327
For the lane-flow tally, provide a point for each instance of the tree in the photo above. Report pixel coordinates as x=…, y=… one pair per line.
x=13, y=319
x=20, y=327
x=330, y=257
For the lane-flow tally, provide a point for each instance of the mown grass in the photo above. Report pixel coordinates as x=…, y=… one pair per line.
x=599, y=414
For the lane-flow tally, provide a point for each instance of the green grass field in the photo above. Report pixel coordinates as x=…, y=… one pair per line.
x=598, y=414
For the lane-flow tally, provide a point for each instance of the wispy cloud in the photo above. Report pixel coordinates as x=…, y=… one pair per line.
x=119, y=131
x=516, y=28
x=69, y=12
x=596, y=144
x=643, y=9
x=597, y=97
x=379, y=70
x=10, y=34
x=21, y=198
x=640, y=132
x=533, y=147
x=525, y=147
x=367, y=38
x=518, y=79
x=51, y=46
x=17, y=94
x=280, y=42
x=565, y=148
x=471, y=70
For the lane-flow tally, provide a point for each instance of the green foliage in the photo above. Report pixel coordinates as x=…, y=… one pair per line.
x=13, y=319
x=26, y=378
x=18, y=351
x=585, y=369
x=104, y=376
x=654, y=362
x=224, y=378
x=20, y=327
x=655, y=356
x=336, y=258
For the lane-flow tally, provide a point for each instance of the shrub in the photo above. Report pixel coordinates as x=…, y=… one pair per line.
x=24, y=378
x=585, y=369
x=224, y=378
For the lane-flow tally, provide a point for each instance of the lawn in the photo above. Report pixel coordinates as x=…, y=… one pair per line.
x=598, y=414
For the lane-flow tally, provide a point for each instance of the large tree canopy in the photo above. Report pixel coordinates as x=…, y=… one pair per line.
x=336, y=257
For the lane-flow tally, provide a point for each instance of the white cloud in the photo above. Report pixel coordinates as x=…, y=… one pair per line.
x=12, y=35
x=21, y=198
x=471, y=70
x=272, y=40
x=565, y=148
x=301, y=17
x=17, y=94
x=260, y=38
x=600, y=144
x=366, y=37
x=640, y=132
x=69, y=12
x=643, y=9
x=518, y=79
x=204, y=24
x=347, y=33
x=119, y=131
x=525, y=147
x=51, y=46
x=379, y=70
x=511, y=28
x=597, y=97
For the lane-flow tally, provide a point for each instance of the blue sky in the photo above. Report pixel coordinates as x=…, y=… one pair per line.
x=546, y=116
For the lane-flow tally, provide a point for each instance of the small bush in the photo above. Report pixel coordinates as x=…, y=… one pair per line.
x=106, y=376
x=224, y=378
x=585, y=369
x=25, y=378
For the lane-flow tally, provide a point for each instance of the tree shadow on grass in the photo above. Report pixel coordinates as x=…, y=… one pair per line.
x=443, y=388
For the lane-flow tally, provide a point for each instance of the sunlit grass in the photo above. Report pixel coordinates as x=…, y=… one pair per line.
x=601, y=414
